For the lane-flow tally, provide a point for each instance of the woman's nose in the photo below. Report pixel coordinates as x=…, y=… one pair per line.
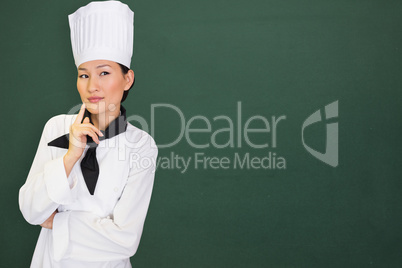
x=93, y=84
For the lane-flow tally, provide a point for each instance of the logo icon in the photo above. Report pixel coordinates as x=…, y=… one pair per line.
x=330, y=156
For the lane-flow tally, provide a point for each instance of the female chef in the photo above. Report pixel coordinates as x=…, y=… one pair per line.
x=90, y=183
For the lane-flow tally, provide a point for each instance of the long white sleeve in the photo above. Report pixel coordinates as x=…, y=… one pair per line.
x=47, y=185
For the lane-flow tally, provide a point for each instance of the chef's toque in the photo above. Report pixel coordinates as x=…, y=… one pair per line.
x=102, y=31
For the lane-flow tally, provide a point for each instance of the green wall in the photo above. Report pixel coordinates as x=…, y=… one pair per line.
x=275, y=58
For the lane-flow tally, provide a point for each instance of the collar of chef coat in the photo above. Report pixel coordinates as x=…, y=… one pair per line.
x=116, y=127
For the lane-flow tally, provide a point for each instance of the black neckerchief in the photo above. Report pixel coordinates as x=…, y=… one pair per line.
x=89, y=164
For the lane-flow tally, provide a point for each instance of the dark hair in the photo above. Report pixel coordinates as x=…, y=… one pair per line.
x=125, y=70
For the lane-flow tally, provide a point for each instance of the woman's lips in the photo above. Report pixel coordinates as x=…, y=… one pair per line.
x=94, y=99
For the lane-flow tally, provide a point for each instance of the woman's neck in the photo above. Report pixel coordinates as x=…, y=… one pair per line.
x=102, y=121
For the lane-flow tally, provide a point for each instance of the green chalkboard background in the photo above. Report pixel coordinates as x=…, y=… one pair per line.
x=274, y=58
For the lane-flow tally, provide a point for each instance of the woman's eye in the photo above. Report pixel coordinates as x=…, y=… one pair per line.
x=104, y=73
x=83, y=76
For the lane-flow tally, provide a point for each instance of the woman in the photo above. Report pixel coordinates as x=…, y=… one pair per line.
x=90, y=183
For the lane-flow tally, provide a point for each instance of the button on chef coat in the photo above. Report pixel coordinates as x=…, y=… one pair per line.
x=100, y=230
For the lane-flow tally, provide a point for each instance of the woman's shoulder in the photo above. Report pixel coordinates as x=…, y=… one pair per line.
x=58, y=125
x=60, y=120
x=140, y=138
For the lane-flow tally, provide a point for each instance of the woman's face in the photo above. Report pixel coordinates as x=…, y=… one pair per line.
x=101, y=84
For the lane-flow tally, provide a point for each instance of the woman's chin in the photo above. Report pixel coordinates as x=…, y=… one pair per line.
x=95, y=108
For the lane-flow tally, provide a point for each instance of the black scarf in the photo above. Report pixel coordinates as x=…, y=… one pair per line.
x=89, y=164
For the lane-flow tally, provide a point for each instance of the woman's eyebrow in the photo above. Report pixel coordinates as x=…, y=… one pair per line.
x=97, y=67
x=103, y=65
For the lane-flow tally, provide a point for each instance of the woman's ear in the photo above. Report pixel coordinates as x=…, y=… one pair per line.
x=129, y=76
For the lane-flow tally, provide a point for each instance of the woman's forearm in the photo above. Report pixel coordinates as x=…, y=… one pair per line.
x=69, y=162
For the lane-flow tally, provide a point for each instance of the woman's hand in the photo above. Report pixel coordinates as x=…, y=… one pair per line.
x=49, y=222
x=78, y=135
x=78, y=139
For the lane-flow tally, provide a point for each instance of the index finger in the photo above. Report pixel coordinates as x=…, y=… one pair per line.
x=80, y=115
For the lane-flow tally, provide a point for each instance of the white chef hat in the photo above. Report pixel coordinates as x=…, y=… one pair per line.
x=102, y=30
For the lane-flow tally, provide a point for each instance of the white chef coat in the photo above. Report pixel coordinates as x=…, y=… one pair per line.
x=100, y=230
